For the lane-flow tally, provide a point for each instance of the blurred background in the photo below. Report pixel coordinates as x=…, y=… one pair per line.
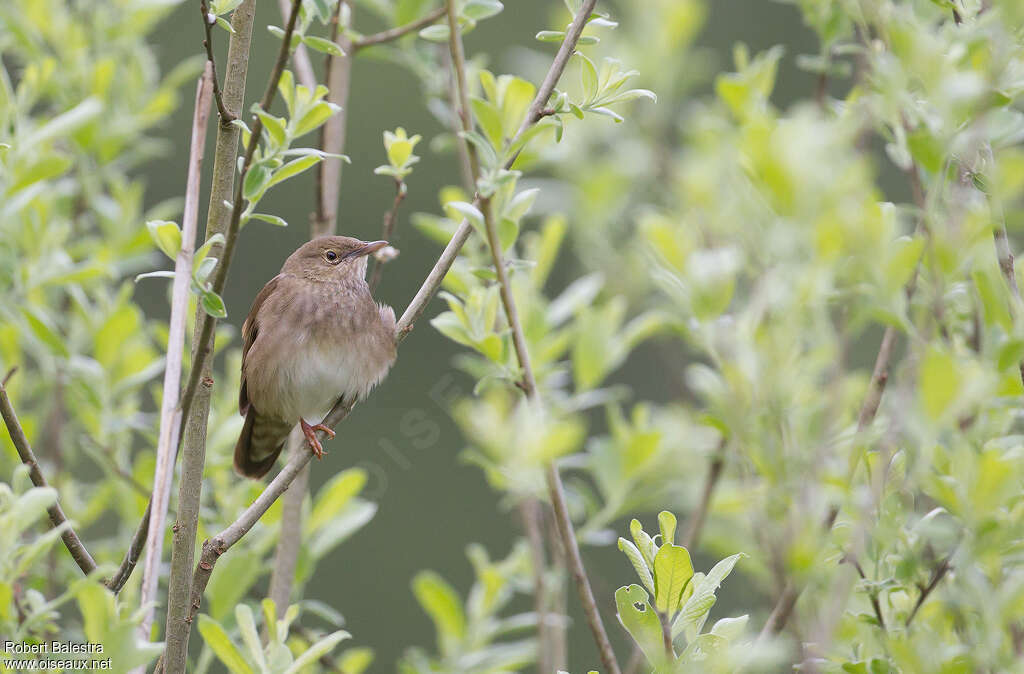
x=429, y=498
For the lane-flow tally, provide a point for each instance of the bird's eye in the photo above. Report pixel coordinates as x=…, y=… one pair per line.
x=331, y=256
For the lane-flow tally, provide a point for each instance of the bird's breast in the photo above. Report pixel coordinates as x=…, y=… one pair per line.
x=317, y=359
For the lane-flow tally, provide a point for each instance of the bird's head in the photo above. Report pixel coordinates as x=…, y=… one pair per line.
x=332, y=258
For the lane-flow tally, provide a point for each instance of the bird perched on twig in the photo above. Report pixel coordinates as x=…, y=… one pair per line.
x=314, y=335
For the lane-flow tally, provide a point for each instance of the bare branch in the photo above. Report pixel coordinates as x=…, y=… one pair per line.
x=338, y=74
x=695, y=525
x=872, y=595
x=71, y=540
x=938, y=573
x=393, y=34
x=204, y=10
x=169, y=413
x=386, y=231
x=555, y=488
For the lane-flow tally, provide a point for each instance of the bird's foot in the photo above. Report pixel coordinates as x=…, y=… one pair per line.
x=314, y=442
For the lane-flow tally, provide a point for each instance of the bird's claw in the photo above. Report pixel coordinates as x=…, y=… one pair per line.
x=314, y=442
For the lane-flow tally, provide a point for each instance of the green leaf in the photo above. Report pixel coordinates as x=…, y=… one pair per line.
x=639, y=619
x=272, y=219
x=322, y=45
x=477, y=10
x=940, y=381
x=317, y=651
x=468, y=211
x=213, y=304
x=274, y=125
x=672, y=570
x=442, y=604
x=489, y=119
x=293, y=168
x=550, y=36
x=437, y=33
x=335, y=495
x=317, y=115
x=667, y=524
x=44, y=333
x=637, y=560
x=225, y=24
x=216, y=240
x=286, y=87
x=251, y=638
x=222, y=646
x=644, y=543
x=256, y=180
x=166, y=235
x=588, y=77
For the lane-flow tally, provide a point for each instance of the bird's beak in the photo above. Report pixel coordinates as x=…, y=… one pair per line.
x=367, y=248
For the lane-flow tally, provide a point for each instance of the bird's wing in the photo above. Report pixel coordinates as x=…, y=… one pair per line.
x=250, y=329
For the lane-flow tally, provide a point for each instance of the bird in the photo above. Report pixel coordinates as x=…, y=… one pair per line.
x=314, y=335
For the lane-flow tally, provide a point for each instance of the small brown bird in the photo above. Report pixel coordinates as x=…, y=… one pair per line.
x=314, y=335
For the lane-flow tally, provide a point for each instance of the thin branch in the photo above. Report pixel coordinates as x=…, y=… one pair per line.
x=1002, y=243
x=71, y=540
x=695, y=525
x=393, y=34
x=7, y=377
x=872, y=595
x=338, y=75
x=461, y=90
x=529, y=511
x=289, y=541
x=204, y=9
x=169, y=414
x=386, y=230
x=938, y=573
x=555, y=488
x=300, y=57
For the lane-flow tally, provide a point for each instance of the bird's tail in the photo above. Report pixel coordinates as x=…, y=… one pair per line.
x=259, y=444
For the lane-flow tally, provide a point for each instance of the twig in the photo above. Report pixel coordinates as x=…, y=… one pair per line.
x=386, y=230
x=695, y=525
x=555, y=488
x=204, y=9
x=7, y=377
x=71, y=540
x=938, y=573
x=300, y=57
x=394, y=33
x=872, y=595
x=180, y=292
x=1002, y=244
x=461, y=90
x=529, y=511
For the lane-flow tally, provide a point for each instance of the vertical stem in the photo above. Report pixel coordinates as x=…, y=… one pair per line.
x=556, y=489
x=57, y=518
x=338, y=73
x=286, y=554
x=219, y=217
x=170, y=415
